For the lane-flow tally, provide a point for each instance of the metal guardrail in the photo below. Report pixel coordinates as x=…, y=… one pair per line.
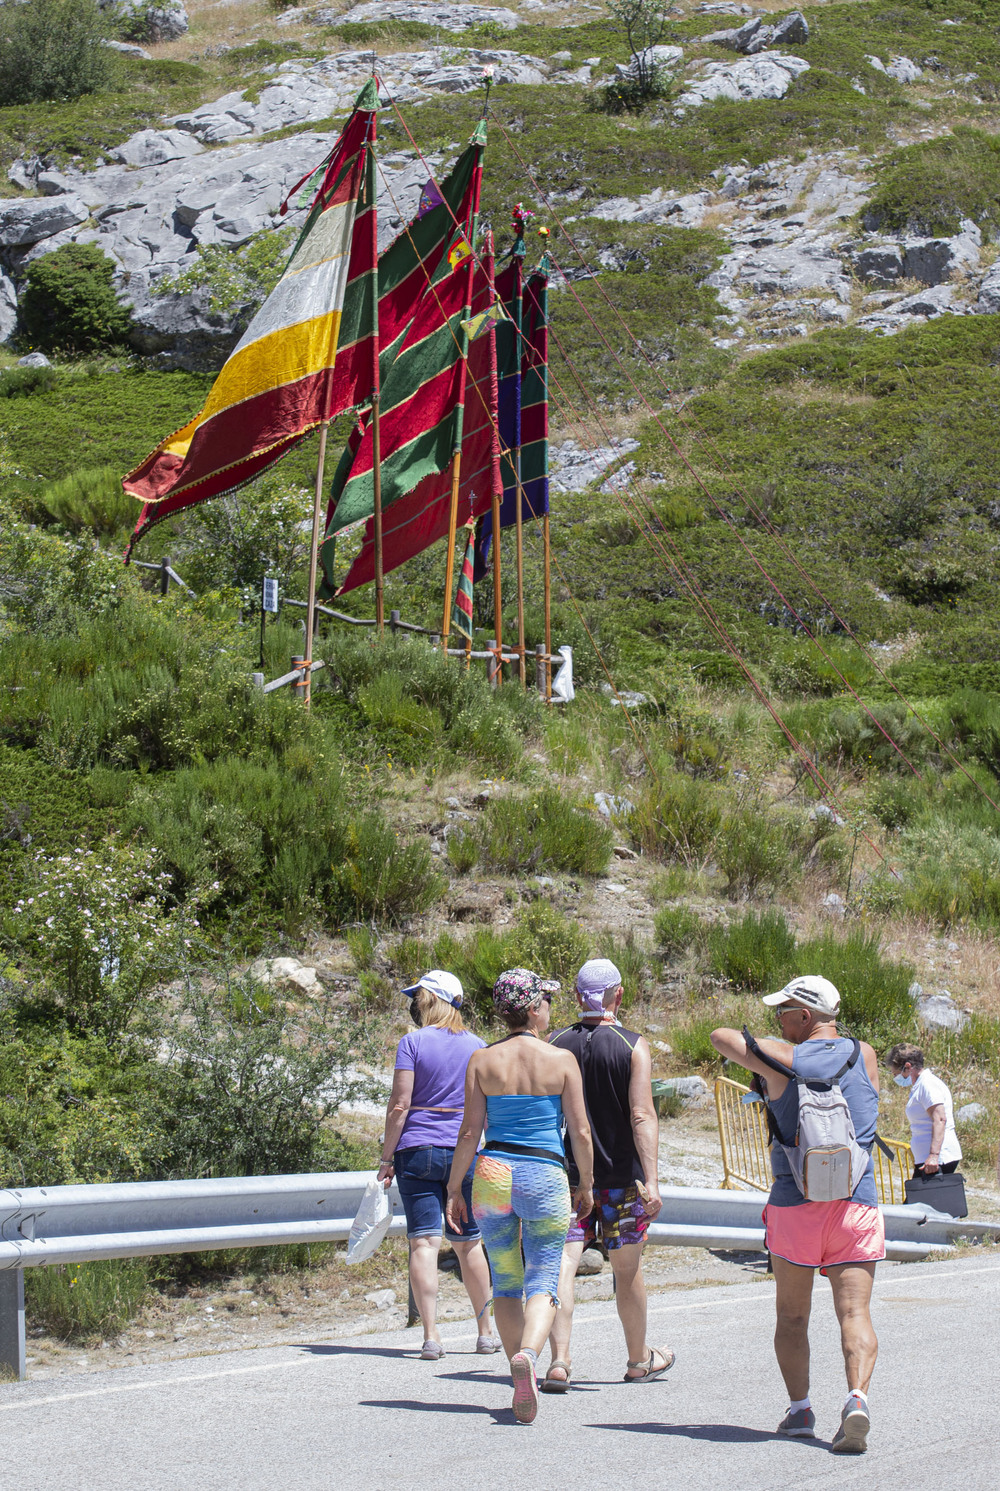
x=746, y=1155
x=74, y=1224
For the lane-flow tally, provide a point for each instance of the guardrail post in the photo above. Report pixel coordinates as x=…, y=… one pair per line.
x=393, y=621
x=12, y=1323
x=492, y=664
x=164, y=574
x=298, y=689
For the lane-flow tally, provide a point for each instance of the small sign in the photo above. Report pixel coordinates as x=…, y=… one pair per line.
x=269, y=599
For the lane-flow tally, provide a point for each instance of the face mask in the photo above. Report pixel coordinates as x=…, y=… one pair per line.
x=902, y=1081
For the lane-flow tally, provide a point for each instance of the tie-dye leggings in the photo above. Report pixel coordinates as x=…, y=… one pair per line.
x=521, y=1203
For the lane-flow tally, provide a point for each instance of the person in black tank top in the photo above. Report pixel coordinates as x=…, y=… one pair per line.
x=616, y=1066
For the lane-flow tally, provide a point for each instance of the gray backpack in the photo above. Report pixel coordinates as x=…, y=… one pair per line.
x=826, y=1160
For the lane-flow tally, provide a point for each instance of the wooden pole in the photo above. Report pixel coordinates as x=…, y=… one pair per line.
x=314, y=562
x=518, y=490
x=376, y=432
x=497, y=591
x=449, y=561
x=548, y=609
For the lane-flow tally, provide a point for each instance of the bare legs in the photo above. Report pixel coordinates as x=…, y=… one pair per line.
x=424, y=1280
x=526, y=1325
x=852, y=1290
x=630, y=1300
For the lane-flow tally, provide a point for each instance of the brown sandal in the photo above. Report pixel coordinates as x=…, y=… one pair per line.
x=649, y=1372
x=556, y=1384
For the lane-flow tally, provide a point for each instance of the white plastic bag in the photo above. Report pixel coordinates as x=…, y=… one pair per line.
x=371, y=1223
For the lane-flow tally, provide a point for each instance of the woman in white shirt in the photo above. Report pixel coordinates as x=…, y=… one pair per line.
x=932, y=1123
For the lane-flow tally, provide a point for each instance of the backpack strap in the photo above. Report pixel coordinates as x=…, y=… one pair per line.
x=889, y=1153
x=772, y=1062
x=849, y=1062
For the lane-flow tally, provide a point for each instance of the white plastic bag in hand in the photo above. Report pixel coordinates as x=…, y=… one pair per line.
x=371, y=1223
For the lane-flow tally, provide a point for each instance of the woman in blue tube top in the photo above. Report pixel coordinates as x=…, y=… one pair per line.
x=521, y=1089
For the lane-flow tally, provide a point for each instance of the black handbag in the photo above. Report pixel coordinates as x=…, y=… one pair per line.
x=943, y=1192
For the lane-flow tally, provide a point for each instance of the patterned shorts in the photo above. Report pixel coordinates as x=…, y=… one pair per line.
x=521, y=1204
x=618, y=1217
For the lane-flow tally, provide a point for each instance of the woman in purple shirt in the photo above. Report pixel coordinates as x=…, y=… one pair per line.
x=421, y=1129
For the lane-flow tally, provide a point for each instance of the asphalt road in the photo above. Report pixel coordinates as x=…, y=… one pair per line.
x=366, y=1413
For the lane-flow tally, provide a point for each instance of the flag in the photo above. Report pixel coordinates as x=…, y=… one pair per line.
x=522, y=361
x=477, y=325
x=462, y=614
x=307, y=355
x=459, y=252
x=431, y=395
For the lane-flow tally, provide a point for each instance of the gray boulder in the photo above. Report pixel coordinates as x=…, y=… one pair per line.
x=903, y=70
x=448, y=17
x=154, y=147
x=931, y=302
x=693, y=1090
x=180, y=331
x=793, y=28
x=940, y=1012
x=8, y=308
x=27, y=220
x=127, y=49
x=972, y=1113
x=34, y=360
x=766, y=76
x=879, y=264
x=989, y=292
x=934, y=260
x=163, y=22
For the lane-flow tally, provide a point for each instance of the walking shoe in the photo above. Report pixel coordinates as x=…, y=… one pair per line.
x=852, y=1436
x=431, y=1351
x=487, y=1345
x=525, y=1403
x=798, y=1425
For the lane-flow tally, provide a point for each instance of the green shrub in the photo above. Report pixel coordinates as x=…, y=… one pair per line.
x=91, y=501
x=679, y=818
x=384, y=878
x=632, y=958
x=756, y=851
x=757, y=952
x=874, y=990
x=87, y=1301
x=463, y=851
x=68, y=302
x=544, y=831
x=928, y=188
x=976, y=1047
x=543, y=939
x=51, y=49
x=20, y=383
x=678, y=928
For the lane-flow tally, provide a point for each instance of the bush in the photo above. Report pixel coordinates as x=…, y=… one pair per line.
x=91, y=501
x=542, y=939
x=644, y=23
x=632, y=959
x=678, y=928
x=678, y=818
x=87, y=1301
x=68, y=302
x=928, y=188
x=757, y=952
x=383, y=877
x=756, y=851
x=51, y=49
x=874, y=991
x=463, y=851
x=543, y=831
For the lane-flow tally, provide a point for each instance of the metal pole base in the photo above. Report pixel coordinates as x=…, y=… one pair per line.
x=12, y=1324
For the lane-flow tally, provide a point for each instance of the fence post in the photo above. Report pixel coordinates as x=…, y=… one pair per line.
x=12, y=1323
x=540, y=679
x=257, y=679
x=393, y=621
x=164, y=574
x=492, y=666
x=298, y=689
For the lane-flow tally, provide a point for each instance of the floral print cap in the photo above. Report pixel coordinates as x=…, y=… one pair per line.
x=517, y=989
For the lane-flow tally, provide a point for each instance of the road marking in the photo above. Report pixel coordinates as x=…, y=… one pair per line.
x=135, y=1387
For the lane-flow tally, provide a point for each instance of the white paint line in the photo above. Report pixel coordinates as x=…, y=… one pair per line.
x=135, y=1387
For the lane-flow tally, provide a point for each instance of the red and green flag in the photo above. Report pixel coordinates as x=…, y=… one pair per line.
x=462, y=613
x=437, y=390
x=307, y=355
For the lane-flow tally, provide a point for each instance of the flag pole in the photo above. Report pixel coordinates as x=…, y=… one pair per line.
x=313, y=561
x=548, y=608
x=518, y=255
x=456, y=459
x=376, y=431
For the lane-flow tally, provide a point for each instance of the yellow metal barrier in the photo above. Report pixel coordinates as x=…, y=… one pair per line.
x=746, y=1157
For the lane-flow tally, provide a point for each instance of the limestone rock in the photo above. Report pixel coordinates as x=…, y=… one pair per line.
x=448, y=17
x=903, y=70
x=940, y=1012
x=693, y=1090
x=768, y=75
x=180, y=330
x=8, y=308
x=791, y=29
x=989, y=292
x=972, y=1113
x=27, y=220
x=879, y=264
x=154, y=147
x=382, y=1299
x=164, y=22
x=286, y=973
x=610, y=806
x=931, y=302
x=934, y=260
x=34, y=360
x=574, y=468
x=823, y=813
x=127, y=49
x=662, y=57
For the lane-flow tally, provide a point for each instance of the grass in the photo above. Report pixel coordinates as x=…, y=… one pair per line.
x=87, y=1302
x=543, y=831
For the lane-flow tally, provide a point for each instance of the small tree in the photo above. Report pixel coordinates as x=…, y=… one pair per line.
x=52, y=49
x=644, y=23
x=69, y=301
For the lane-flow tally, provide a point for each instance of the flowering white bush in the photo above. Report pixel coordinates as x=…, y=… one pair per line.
x=97, y=923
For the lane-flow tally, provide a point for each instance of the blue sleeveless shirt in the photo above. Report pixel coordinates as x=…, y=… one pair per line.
x=819, y=1060
x=521, y=1118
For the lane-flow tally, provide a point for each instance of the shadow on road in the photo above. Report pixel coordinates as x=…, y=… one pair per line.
x=325, y=1350
x=498, y=1415
x=716, y=1433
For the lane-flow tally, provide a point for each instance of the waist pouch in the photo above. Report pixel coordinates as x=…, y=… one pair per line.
x=528, y=1150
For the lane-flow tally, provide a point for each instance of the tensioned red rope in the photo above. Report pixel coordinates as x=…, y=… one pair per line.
x=705, y=441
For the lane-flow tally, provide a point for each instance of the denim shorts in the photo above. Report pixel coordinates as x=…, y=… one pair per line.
x=422, y=1181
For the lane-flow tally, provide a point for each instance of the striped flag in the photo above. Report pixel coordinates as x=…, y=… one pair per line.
x=462, y=614
x=307, y=355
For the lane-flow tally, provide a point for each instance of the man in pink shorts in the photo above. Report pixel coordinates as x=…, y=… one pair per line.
x=845, y=1239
